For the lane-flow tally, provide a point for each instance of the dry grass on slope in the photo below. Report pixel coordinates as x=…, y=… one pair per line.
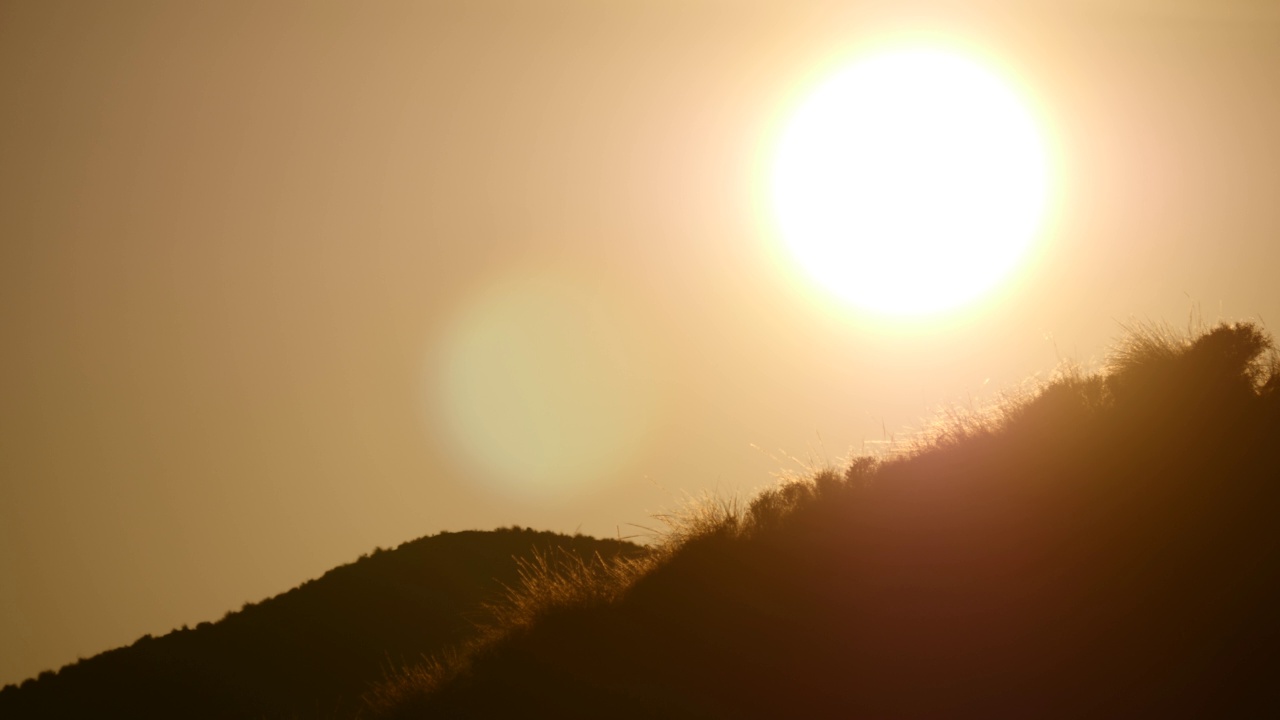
x=1100, y=543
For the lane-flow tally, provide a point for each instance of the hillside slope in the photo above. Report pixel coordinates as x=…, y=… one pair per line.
x=307, y=653
x=1105, y=546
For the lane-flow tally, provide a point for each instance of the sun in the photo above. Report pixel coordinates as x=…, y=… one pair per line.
x=910, y=182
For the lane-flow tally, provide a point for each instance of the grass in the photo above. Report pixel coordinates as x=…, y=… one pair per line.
x=1100, y=543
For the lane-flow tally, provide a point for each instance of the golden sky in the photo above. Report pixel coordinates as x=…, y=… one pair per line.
x=256, y=257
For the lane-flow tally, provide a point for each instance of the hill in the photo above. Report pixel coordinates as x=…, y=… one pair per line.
x=310, y=652
x=1106, y=545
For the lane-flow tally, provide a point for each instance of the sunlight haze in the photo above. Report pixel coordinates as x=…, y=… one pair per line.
x=284, y=281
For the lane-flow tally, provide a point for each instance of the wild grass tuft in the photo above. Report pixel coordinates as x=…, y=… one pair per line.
x=1229, y=355
x=548, y=581
x=558, y=578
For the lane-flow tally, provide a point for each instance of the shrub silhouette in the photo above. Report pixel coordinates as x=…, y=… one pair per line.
x=1105, y=545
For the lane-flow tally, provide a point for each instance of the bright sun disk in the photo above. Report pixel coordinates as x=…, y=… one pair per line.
x=910, y=182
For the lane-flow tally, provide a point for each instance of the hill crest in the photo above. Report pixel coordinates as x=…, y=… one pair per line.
x=313, y=650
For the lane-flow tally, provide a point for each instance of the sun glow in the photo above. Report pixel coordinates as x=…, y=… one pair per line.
x=911, y=182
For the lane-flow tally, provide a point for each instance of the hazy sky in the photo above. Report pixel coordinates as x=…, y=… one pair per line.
x=283, y=282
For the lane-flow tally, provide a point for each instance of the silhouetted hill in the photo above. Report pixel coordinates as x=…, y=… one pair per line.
x=310, y=652
x=1108, y=545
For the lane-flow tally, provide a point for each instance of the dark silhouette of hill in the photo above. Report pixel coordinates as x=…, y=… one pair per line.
x=310, y=652
x=1105, y=546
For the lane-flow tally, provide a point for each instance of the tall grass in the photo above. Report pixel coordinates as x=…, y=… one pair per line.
x=1122, y=513
x=548, y=581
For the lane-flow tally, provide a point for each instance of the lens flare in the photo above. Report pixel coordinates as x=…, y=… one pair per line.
x=542, y=386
